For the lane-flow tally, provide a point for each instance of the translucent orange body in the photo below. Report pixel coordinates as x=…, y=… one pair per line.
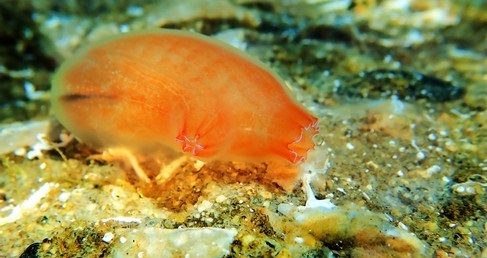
x=180, y=90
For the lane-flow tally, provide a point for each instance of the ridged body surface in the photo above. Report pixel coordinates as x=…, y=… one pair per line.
x=183, y=91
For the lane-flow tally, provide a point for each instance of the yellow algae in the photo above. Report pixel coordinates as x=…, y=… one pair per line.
x=320, y=223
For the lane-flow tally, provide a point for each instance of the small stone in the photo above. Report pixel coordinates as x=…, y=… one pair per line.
x=108, y=237
x=220, y=198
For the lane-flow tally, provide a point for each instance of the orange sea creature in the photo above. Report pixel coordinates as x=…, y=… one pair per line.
x=183, y=91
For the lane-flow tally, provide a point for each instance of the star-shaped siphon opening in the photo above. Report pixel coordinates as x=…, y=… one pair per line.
x=303, y=143
x=190, y=144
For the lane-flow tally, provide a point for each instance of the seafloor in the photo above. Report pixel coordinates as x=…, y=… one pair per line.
x=399, y=170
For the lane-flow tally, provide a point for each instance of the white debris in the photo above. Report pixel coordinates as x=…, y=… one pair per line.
x=32, y=93
x=15, y=137
x=433, y=170
x=235, y=38
x=403, y=226
x=20, y=152
x=204, y=205
x=469, y=188
x=420, y=155
x=313, y=205
x=135, y=10
x=410, y=238
x=64, y=196
x=43, y=165
x=41, y=145
x=432, y=137
x=18, y=135
x=22, y=74
x=28, y=205
x=221, y=198
x=185, y=242
x=123, y=220
x=312, y=202
x=108, y=237
x=398, y=105
x=350, y=146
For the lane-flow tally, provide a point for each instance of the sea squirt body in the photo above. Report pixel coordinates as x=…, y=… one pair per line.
x=183, y=91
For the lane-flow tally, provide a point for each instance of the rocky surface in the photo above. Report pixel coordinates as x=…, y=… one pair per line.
x=400, y=164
